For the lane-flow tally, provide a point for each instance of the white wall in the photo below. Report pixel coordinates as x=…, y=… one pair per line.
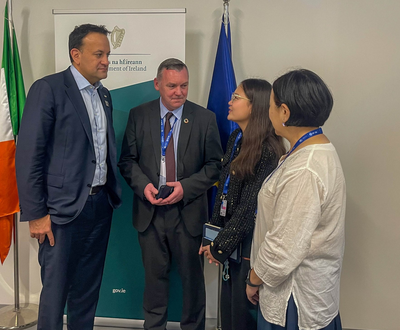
x=354, y=45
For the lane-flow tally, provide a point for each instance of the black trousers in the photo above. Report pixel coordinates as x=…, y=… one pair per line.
x=164, y=239
x=237, y=312
x=72, y=269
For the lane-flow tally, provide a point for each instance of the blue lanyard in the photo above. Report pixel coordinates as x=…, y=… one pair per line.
x=228, y=179
x=300, y=141
x=164, y=144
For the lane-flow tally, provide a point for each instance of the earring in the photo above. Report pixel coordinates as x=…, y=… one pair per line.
x=283, y=124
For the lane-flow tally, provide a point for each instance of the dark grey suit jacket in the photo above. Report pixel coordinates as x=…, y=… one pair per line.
x=198, y=161
x=55, y=159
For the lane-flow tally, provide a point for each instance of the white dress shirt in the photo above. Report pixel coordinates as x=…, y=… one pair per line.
x=98, y=123
x=298, y=240
x=175, y=133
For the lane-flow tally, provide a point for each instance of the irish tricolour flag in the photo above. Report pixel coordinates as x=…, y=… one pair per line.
x=8, y=182
x=12, y=100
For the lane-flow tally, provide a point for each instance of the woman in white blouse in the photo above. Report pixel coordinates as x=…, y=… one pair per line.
x=298, y=242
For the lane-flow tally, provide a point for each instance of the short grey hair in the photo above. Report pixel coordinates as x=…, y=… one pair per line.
x=171, y=64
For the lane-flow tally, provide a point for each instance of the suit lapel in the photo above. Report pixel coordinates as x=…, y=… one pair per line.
x=105, y=100
x=154, y=124
x=76, y=99
x=184, y=134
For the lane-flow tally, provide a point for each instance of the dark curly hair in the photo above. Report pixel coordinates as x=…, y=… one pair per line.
x=80, y=32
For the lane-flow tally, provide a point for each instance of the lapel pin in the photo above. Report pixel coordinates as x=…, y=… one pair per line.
x=106, y=103
x=186, y=120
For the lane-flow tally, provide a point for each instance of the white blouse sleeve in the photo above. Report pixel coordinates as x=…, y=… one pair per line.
x=297, y=213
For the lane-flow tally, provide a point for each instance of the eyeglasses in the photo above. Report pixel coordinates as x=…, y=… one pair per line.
x=235, y=97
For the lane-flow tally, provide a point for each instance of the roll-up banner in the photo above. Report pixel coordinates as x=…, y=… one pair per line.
x=138, y=45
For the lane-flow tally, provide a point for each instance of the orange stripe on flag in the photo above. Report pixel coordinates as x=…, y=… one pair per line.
x=6, y=226
x=8, y=182
x=8, y=195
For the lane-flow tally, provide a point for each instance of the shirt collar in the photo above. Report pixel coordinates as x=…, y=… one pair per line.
x=177, y=112
x=81, y=81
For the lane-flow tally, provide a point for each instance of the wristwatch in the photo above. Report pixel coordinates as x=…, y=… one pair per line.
x=247, y=281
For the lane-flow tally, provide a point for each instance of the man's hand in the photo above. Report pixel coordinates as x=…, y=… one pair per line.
x=150, y=193
x=39, y=228
x=208, y=254
x=252, y=294
x=176, y=196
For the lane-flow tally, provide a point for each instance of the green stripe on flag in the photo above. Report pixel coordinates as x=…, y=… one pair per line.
x=13, y=74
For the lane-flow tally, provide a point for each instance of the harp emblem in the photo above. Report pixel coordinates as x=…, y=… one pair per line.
x=117, y=35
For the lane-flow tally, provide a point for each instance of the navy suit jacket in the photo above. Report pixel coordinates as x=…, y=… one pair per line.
x=198, y=161
x=55, y=158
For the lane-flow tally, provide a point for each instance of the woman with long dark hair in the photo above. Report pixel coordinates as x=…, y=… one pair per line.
x=252, y=153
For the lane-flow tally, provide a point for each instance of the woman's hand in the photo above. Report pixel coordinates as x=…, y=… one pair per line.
x=252, y=294
x=207, y=253
x=252, y=290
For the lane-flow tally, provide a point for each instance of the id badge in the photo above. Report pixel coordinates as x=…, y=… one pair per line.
x=163, y=172
x=222, y=211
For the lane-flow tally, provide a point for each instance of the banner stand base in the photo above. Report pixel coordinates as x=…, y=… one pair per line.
x=25, y=317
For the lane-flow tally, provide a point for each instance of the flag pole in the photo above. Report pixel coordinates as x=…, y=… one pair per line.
x=219, y=298
x=219, y=326
x=17, y=317
x=16, y=265
x=226, y=15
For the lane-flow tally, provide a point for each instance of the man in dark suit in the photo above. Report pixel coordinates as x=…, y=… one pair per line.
x=67, y=179
x=174, y=142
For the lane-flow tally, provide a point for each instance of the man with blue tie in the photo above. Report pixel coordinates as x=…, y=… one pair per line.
x=171, y=142
x=67, y=179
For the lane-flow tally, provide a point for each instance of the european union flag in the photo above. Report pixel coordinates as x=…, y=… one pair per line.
x=223, y=84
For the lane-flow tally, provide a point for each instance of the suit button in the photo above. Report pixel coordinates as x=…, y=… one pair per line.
x=93, y=161
x=212, y=243
x=220, y=252
x=222, y=159
x=89, y=185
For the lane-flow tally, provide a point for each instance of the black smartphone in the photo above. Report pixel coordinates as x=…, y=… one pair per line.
x=164, y=192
